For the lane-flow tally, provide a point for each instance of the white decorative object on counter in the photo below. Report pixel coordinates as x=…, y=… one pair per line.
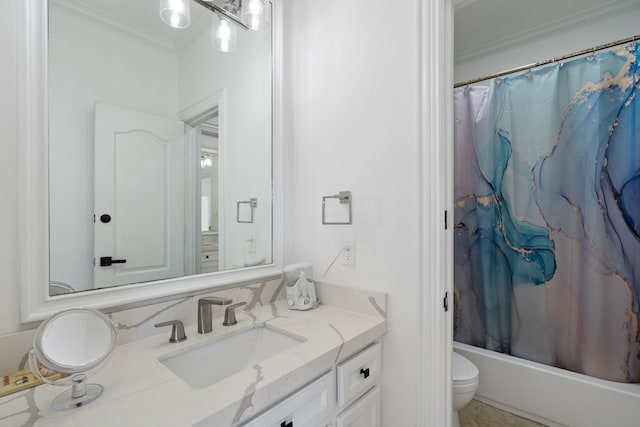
x=300, y=287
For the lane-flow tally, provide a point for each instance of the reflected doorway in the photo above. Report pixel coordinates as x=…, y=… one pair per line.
x=209, y=173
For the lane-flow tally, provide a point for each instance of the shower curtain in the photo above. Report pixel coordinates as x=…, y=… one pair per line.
x=547, y=215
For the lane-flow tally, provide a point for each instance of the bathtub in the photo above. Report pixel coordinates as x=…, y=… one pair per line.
x=552, y=396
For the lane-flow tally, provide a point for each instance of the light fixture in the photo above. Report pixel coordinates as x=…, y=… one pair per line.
x=175, y=13
x=206, y=161
x=246, y=14
x=254, y=14
x=224, y=35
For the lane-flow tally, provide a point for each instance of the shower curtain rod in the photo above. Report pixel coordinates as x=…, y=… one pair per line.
x=548, y=61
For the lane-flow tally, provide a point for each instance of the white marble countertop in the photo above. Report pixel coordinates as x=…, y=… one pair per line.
x=139, y=390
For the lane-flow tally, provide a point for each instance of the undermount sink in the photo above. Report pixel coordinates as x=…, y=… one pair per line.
x=203, y=365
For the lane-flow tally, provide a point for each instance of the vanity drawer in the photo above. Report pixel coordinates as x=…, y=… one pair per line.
x=209, y=267
x=209, y=242
x=309, y=407
x=209, y=257
x=209, y=262
x=359, y=373
x=365, y=412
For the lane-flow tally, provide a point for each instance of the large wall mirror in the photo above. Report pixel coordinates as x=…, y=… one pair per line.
x=153, y=145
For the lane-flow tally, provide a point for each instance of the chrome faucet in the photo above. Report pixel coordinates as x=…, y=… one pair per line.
x=205, y=321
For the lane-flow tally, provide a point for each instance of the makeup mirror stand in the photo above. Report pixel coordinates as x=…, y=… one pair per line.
x=59, y=348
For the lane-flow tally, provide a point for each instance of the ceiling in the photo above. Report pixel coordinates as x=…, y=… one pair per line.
x=482, y=26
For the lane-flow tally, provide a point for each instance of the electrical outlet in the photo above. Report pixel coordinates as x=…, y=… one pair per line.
x=349, y=253
x=251, y=243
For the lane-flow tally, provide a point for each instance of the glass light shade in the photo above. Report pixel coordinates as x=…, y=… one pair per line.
x=176, y=13
x=254, y=14
x=206, y=161
x=224, y=35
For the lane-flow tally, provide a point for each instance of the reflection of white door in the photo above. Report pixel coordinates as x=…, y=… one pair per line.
x=139, y=197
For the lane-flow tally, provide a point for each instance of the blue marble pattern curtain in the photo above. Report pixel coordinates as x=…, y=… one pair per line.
x=547, y=215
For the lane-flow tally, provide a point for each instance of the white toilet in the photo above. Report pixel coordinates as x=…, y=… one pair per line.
x=465, y=384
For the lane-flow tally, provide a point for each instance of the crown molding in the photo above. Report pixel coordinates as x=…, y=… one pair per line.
x=608, y=9
x=122, y=25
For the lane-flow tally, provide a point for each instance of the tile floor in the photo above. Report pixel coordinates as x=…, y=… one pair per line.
x=478, y=414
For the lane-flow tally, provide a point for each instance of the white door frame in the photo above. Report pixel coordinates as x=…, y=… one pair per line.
x=193, y=115
x=436, y=194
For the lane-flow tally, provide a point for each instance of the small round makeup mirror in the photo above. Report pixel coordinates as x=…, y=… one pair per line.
x=73, y=342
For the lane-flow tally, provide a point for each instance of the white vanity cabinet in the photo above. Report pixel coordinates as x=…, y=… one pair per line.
x=357, y=389
x=358, y=374
x=209, y=252
x=348, y=396
x=365, y=412
x=298, y=386
x=310, y=407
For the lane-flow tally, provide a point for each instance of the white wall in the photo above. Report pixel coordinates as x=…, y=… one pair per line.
x=566, y=40
x=104, y=65
x=8, y=169
x=351, y=91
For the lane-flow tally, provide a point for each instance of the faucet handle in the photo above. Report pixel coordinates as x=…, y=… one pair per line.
x=177, y=331
x=230, y=314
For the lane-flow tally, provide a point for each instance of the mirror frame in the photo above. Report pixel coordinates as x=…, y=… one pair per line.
x=33, y=189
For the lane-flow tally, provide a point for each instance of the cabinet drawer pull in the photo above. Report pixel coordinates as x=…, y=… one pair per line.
x=364, y=372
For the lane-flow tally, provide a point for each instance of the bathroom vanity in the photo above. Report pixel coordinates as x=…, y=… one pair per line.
x=327, y=375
